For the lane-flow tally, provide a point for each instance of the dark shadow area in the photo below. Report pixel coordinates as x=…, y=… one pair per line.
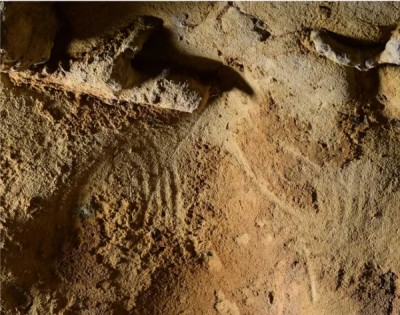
x=84, y=21
x=61, y=40
x=366, y=111
x=93, y=19
x=385, y=30
x=358, y=43
x=367, y=91
x=160, y=52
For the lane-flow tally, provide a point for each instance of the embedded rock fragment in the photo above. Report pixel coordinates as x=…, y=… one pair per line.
x=391, y=54
x=364, y=58
x=101, y=67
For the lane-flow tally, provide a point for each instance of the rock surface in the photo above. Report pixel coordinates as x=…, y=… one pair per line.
x=361, y=58
x=198, y=158
x=98, y=66
x=27, y=34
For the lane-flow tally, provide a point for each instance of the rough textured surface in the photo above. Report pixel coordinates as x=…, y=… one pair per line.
x=362, y=59
x=278, y=194
x=99, y=67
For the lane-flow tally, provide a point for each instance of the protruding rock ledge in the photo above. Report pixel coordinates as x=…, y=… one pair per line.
x=364, y=58
x=100, y=67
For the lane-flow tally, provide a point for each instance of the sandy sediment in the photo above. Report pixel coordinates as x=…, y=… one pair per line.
x=200, y=158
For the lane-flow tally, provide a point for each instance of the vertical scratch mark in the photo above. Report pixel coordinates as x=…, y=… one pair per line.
x=311, y=276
